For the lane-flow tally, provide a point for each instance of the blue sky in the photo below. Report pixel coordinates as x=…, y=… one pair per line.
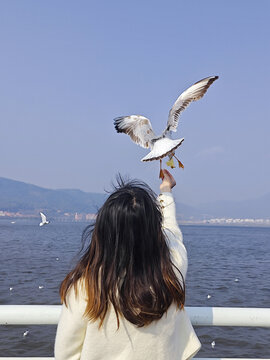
x=67, y=68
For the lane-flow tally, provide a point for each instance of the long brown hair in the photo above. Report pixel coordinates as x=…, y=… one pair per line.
x=127, y=262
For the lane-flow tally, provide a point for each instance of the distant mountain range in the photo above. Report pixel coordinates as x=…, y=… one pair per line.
x=17, y=196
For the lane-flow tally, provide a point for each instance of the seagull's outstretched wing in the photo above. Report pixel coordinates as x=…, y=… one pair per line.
x=193, y=93
x=43, y=217
x=137, y=127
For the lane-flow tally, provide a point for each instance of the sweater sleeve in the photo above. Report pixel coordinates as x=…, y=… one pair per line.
x=71, y=328
x=173, y=232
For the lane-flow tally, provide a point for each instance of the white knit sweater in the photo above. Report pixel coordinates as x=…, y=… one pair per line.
x=170, y=338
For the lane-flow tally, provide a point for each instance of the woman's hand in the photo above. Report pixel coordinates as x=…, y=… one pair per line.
x=168, y=182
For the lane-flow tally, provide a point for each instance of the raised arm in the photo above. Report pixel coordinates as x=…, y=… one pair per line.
x=170, y=226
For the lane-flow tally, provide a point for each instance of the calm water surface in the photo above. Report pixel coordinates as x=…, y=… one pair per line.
x=32, y=257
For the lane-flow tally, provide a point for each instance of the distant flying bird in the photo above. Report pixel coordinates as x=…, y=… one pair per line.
x=140, y=130
x=213, y=344
x=43, y=219
x=209, y=296
x=26, y=333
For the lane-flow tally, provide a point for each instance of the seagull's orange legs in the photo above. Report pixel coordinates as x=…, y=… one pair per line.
x=171, y=164
x=161, y=175
x=179, y=162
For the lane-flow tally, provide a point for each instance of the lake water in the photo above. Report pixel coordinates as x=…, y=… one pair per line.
x=32, y=257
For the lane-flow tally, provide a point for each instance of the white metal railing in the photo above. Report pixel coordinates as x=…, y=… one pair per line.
x=199, y=316
x=50, y=358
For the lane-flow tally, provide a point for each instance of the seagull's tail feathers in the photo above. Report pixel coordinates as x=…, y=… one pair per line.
x=162, y=148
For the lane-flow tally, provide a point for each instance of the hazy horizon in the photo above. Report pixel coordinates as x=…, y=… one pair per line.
x=68, y=69
x=109, y=188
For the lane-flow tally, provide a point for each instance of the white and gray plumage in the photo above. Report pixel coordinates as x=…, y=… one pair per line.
x=140, y=129
x=43, y=219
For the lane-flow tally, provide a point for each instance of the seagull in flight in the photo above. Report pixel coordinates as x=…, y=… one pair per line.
x=43, y=219
x=140, y=130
